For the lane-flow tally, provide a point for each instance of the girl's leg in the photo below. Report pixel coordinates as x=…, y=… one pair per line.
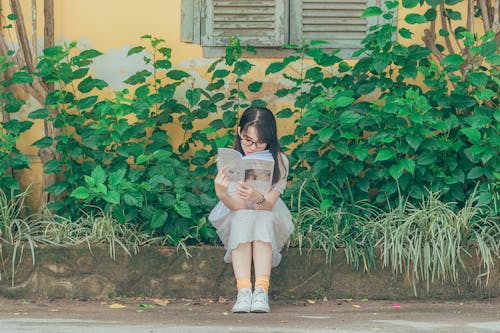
x=262, y=260
x=242, y=265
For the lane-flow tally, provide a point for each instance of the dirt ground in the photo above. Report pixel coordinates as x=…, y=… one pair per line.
x=308, y=314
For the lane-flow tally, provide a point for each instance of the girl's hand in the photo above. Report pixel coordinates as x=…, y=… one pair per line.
x=221, y=183
x=247, y=192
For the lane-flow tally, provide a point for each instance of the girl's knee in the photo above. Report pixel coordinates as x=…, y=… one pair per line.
x=261, y=243
x=243, y=246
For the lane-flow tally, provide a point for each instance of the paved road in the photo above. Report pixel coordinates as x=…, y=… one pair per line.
x=202, y=316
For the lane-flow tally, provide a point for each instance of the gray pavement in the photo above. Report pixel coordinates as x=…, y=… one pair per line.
x=206, y=316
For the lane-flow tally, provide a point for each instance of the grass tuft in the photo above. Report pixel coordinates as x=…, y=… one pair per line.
x=429, y=242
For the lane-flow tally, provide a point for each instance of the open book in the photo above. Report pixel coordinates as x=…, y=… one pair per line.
x=254, y=169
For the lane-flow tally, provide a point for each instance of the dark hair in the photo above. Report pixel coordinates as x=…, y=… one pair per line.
x=262, y=119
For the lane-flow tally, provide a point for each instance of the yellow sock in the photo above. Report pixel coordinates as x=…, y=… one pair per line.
x=243, y=283
x=262, y=282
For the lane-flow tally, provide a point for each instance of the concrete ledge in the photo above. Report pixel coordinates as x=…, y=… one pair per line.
x=75, y=272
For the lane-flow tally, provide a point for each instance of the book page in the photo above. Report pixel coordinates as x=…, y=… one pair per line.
x=258, y=173
x=254, y=169
x=230, y=159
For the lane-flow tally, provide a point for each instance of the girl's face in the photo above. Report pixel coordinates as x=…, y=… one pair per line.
x=250, y=141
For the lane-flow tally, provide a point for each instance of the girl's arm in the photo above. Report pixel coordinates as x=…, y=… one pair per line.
x=221, y=183
x=262, y=201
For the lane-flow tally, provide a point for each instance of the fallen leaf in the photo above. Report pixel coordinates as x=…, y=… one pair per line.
x=310, y=301
x=225, y=313
x=139, y=310
x=325, y=299
x=356, y=306
x=161, y=302
x=117, y=306
x=222, y=300
x=147, y=306
x=104, y=303
x=364, y=300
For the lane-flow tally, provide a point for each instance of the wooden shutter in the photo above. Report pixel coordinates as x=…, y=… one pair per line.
x=254, y=22
x=338, y=22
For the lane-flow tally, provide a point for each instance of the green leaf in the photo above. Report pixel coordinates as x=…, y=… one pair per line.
x=415, y=19
x=44, y=142
x=410, y=3
x=444, y=33
x=134, y=50
x=479, y=79
x=89, y=54
x=434, y=3
x=80, y=192
x=405, y=33
x=112, y=197
x=21, y=77
x=426, y=158
x=183, y=209
x=396, y=171
x=193, y=96
x=39, y=114
x=453, y=15
x=325, y=134
x=99, y=175
x=159, y=218
x=414, y=141
x=89, y=83
x=142, y=159
x=430, y=14
x=220, y=73
x=408, y=165
x=475, y=173
x=87, y=102
x=57, y=188
x=360, y=152
x=275, y=67
x=349, y=117
x=452, y=2
x=116, y=177
x=384, y=155
x=255, y=86
x=52, y=166
x=454, y=60
x=342, y=101
x=177, y=74
x=133, y=198
x=371, y=11
x=242, y=67
x=472, y=134
x=489, y=48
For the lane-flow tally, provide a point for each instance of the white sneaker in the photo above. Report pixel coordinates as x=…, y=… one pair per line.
x=243, y=301
x=260, y=301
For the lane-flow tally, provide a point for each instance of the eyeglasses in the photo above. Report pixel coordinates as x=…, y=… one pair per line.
x=248, y=143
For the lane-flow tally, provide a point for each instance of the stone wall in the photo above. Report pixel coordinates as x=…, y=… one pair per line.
x=77, y=272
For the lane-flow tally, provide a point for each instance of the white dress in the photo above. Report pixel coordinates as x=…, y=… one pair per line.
x=247, y=225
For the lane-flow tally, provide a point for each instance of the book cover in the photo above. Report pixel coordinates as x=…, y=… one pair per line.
x=254, y=169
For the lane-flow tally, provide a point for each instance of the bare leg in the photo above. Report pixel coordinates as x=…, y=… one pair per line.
x=262, y=258
x=242, y=260
x=242, y=266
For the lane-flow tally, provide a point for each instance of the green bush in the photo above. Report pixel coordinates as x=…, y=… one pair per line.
x=11, y=158
x=367, y=132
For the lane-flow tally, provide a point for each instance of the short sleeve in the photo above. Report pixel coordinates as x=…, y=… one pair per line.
x=284, y=165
